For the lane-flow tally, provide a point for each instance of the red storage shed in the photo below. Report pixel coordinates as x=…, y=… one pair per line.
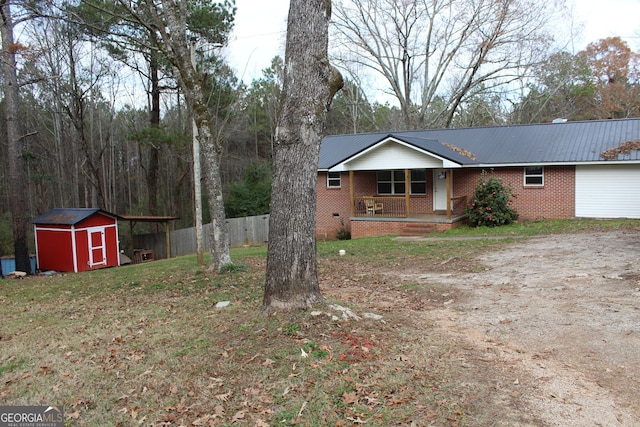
x=76, y=240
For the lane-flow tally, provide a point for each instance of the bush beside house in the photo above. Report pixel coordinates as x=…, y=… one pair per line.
x=490, y=204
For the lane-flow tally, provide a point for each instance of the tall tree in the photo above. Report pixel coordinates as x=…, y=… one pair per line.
x=480, y=110
x=173, y=23
x=82, y=104
x=310, y=83
x=15, y=138
x=562, y=88
x=616, y=71
x=351, y=111
x=448, y=49
x=600, y=82
x=55, y=158
x=104, y=25
x=262, y=105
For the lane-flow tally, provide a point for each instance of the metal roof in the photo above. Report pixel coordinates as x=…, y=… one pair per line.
x=148, y=218
x=547, y=143
x=65, y=216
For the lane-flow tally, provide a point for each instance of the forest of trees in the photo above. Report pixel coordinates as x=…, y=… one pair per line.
x=106, y=121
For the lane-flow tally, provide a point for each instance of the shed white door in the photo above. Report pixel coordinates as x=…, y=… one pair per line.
x=604, y=191
x=97, y=247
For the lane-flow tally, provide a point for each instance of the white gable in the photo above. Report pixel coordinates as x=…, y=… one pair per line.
x=393, y=154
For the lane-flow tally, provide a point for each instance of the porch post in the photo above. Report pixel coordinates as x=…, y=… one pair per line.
x=351, y=193
x=448, y=182
x=407, y=191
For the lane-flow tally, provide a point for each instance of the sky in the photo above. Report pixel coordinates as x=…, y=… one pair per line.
x=259, y=35
x=260, y=30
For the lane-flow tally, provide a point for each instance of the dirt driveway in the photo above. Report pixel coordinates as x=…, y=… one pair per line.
x=557, y=318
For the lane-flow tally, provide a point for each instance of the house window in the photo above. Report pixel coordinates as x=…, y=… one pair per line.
x=392, y=182
x=333, y=180
x=534, y=177
x=418, y=181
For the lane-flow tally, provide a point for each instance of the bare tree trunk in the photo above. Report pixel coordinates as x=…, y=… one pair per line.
x=220, y=255
x=14, y=140
x=154, y=119
x=309, y=86
x=167, y=19
x=77, y=111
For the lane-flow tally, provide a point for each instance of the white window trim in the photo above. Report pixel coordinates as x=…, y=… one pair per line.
x=541, y=175
x=339, y=179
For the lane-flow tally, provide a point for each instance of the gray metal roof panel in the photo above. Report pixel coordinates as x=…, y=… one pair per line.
x=337, y=148
x=436, y=147
x=570, y=142
x=64, y=216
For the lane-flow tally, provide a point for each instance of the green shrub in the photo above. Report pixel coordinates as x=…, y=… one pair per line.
x=251, y=195
x=490, y=204
x=343, y=233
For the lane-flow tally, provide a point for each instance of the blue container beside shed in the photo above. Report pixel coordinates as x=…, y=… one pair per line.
x=9, y=264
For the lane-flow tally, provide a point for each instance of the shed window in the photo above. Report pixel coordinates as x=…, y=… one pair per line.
x=333, y=180
x=534, y=176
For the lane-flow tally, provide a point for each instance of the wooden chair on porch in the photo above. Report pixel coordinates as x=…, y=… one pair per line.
x=372, y=206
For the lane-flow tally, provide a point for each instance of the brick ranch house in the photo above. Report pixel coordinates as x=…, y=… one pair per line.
x=414, y=182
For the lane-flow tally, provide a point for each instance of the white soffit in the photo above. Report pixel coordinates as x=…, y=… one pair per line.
x=393, y=154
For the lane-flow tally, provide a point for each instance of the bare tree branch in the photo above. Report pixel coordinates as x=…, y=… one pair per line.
x=442, y=51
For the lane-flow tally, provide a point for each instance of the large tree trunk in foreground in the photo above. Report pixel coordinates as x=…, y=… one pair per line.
x=309, y=85
x=17, y=185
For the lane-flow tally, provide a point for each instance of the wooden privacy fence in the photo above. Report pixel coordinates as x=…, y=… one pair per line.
x=251, y=230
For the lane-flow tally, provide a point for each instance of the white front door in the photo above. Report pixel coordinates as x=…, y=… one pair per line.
x=440, y=189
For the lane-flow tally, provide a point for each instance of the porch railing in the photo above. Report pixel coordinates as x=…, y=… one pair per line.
x=395, y=207
x=388, y=207
x=458, y=204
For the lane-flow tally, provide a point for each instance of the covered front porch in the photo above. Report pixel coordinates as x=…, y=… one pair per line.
x=395, y=187
x=391, y=216
x=427, y=204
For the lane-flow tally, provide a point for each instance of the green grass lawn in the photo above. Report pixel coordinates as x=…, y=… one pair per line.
x=145, y=344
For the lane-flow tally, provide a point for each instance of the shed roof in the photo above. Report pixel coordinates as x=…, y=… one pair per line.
x=547, y=143
x=68, y=216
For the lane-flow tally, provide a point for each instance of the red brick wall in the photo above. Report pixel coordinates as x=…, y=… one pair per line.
x=423, y=203
x=374, y=228
x=333, y=205
x=555, y=200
